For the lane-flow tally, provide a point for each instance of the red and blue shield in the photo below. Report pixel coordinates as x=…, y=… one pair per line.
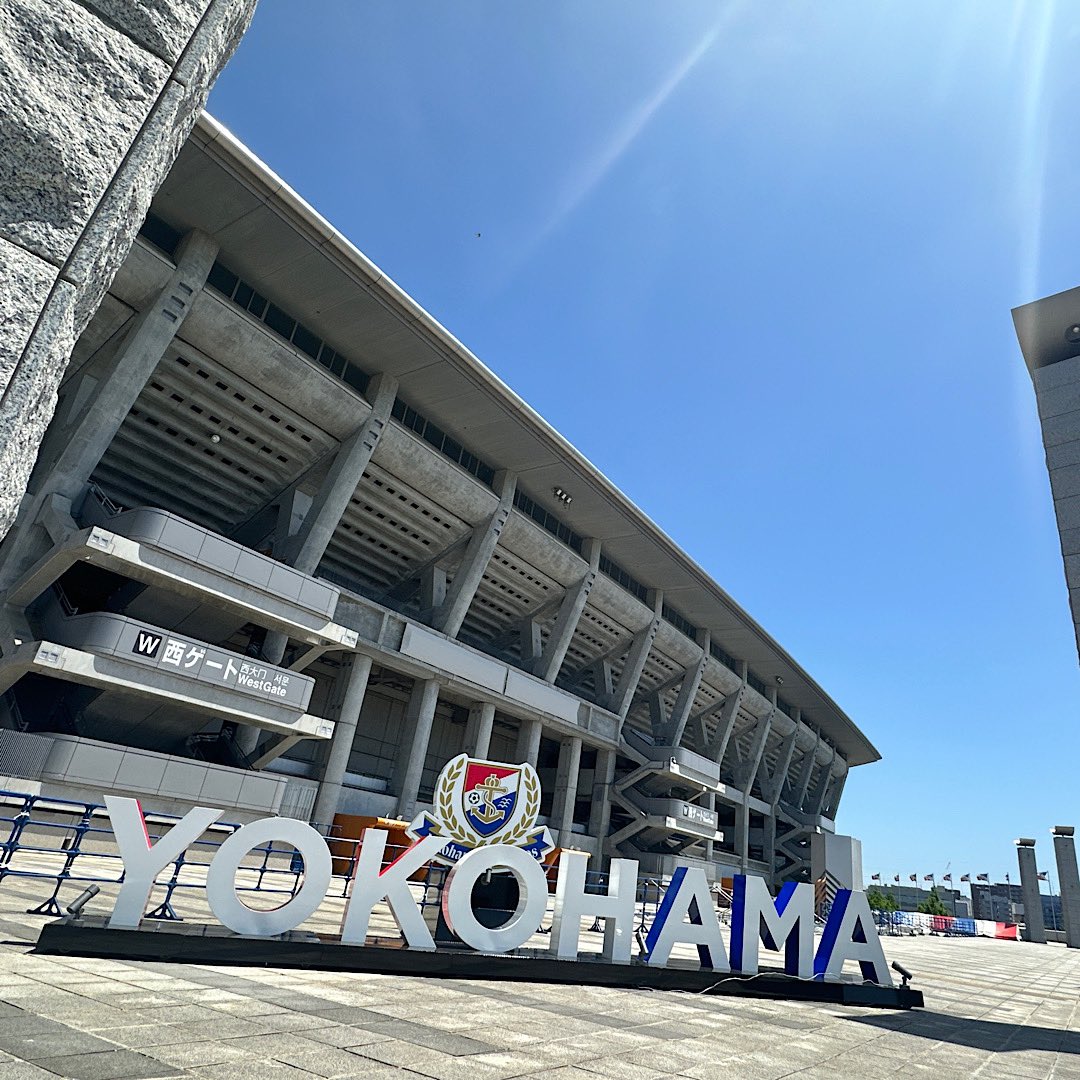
x=489, y=794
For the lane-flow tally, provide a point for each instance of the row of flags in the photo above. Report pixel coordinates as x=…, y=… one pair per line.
x=1043, y=876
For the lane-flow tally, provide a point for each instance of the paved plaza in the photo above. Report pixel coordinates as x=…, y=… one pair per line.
x=994, y=1009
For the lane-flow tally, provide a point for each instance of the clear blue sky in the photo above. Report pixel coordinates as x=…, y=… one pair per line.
x=756, y=260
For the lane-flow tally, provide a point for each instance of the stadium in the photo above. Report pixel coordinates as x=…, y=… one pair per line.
x=289, y=547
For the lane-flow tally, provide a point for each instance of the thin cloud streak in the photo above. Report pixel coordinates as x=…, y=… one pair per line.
x=592, y=173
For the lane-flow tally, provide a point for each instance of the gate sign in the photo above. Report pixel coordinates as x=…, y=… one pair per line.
x=479, y=803
x=484, y=820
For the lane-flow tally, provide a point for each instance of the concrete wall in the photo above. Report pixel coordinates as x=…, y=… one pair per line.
x=99, y=97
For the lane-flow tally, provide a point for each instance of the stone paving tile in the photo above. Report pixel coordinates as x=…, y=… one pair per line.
x=23, y=1070
x=115, y=1065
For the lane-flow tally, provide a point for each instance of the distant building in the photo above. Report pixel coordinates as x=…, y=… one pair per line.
x=909, y=897
x=1005, y=903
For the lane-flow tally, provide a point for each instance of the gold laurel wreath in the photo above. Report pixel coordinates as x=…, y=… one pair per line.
x=451, y=824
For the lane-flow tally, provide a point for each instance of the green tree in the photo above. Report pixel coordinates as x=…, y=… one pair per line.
x=880, y=901
x=932, y=905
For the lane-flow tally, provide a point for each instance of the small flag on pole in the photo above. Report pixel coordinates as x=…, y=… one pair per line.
x=928, y=877
x=982, y=877
x=913, y=877
x=947, y=877
x=896, y=878
x=875, y=877
x=965, y=877
x=1043, y=876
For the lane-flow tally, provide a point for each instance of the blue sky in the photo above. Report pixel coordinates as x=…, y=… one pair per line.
x=756, y=260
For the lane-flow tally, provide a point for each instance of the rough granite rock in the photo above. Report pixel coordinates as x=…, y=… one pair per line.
x=99, y=98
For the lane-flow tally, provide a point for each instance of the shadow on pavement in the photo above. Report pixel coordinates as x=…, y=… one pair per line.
x=987, y=1035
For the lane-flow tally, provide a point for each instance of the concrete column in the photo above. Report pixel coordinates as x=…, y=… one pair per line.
x=432, y=587
x=550, y=662
x=478, y=729
x=770, y=847
x=451, y=614
x=337, y=760
x=742, y=835
x=710, y=845
x=1068, y=882
x=75, y=193
x=600, y=811
x=413, y=750
x=528, y=744
x=531, y=642
x=566, y=782
x=1034, y=929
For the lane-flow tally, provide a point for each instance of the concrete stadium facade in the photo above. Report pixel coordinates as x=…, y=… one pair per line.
x=288, y=547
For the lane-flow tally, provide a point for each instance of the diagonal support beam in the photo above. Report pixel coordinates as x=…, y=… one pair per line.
x=152, y=332
x=749, y=768
x=635, y=664
x=725, y=725
x=305, y=550
x=451, y=613
x=799, y=799
x=547, y=667
x=783, y=763
x=691, y=682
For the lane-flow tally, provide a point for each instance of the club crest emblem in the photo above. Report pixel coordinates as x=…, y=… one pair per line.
x=481, y=802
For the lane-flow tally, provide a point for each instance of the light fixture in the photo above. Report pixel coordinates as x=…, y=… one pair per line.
x=1072, y=334
x=562, y=495
x=80, y=901
x=215, y=438
x=779, y=680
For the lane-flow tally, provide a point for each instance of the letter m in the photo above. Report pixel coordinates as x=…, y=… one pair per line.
x=787, y=923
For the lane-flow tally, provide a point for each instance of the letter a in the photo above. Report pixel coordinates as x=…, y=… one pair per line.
x=851, y=934
x=687, y=897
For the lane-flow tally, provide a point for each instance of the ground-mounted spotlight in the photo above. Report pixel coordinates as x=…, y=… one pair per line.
x=902, y=972
x=74, y=909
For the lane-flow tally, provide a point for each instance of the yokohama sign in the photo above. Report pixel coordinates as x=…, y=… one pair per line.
x=686, y=914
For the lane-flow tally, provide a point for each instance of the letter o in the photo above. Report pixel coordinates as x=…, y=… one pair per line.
x=532, y=898
x=232, y=912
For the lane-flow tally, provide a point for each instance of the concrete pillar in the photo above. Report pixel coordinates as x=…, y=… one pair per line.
x=432, y=587
x=478, y=729
x=412, y=753
x=75, y=193
x=337, y=759
x=742, y=835
x=550, y=662
x=451, y=614
x=769, y=845
x=531, y=642
x=1068, y=882
x=528, y=744
x=1034, y=930
x=566, y=782
x=603, y=778
x=710, y=845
